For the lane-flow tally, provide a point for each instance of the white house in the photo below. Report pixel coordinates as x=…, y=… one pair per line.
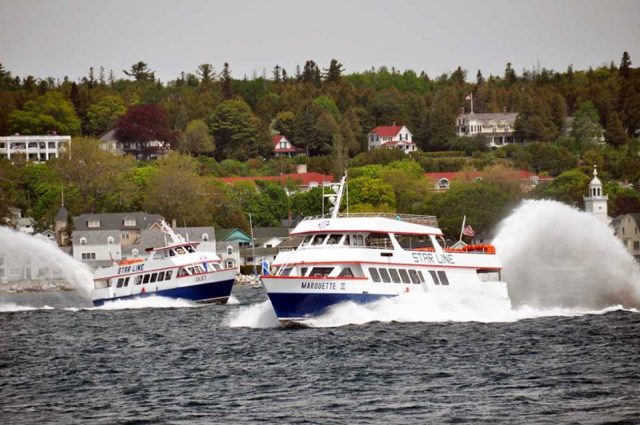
x=391, y=136
x=283, y=147
x=97, y=247
x=498, y=128
x=34, y=148
x=626, y=228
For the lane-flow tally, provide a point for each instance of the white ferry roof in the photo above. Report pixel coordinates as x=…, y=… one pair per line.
x=379, y=223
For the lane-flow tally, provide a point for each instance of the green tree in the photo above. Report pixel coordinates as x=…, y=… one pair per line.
x=615, y=134
x=140, y=72
x=371, y=194
x=48, y=113
x=197, y=139
x=103, y=114
x=176, y=191
x=586, y=129
x=334, y=73
x=569, y=187
x=103, y=182
x=284, y=124
x=237, y=131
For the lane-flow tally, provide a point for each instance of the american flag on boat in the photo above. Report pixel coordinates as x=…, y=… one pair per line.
x=468, y=231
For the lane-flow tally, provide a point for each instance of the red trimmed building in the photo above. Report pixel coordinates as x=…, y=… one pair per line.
x=443, y=180
x=283, y=147
x=392, y=137
x=305, y=181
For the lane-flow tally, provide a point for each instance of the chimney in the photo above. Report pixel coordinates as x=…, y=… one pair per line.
x=461, y=110
x=301, y=168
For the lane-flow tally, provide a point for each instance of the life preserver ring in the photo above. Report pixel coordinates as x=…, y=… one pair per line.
x=130, y=261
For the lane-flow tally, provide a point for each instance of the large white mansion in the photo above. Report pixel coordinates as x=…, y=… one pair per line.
x=34, y=148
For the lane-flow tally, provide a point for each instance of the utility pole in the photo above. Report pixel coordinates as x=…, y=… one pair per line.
x=253, y=245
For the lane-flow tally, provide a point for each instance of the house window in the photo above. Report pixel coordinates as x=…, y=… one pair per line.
x=636, y=245
x=134, y=252
x=205, y=237
x=443, y=183
x=229, y=264
x=93, y=223
x=110, y=240
x=130, y=222
x=229, y=250
x=83, y=241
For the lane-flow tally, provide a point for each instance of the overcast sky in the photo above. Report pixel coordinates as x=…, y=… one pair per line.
x=66, y=37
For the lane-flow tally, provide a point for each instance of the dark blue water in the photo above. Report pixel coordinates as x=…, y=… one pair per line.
x=188, y=366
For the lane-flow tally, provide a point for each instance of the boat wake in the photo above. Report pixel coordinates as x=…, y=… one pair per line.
x=129, y=304
x=416, y=308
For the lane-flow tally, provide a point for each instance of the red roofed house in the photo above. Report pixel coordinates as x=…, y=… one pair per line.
x=442, y=180
x=283, y=147
x=391, y=136
x=305, y=181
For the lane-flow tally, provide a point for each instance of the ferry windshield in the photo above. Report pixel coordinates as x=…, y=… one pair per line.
x=378, y=240
x=415, y=241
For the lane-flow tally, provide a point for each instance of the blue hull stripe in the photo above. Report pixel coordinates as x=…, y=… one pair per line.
x=202, y=292
x=292, y=306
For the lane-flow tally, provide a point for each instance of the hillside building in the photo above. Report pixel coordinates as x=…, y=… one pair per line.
x=34, y=148
x=498, y=128
x=282, y=147
x=392, y=137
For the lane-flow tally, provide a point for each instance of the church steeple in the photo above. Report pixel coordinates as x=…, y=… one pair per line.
x=596, y=202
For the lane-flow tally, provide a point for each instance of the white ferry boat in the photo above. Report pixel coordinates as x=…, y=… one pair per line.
x=177, y=270
x=364, y=257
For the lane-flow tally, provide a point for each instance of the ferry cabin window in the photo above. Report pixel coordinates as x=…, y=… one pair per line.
x=378, y=240
x=321, y=271
x=318, y=239
x=333, y=239
x=119, y=284
x=138, y=279
x=126, y=281
x=394, y=275
x=286, y=271
x=434, y=276
x=167, y=275
x=172, y=253
x=443, y=277
x=180, y=250
x=145, y=280
x=357, y=240
x=385, y=275
x=160, y=276
x=303, y=271
x=374, y=274
x=189, y=248
x=307, y=240
x=154, y=276
x=414, y=276
x=404, y=276
x=421, y=276
x=415, y=241
x=346, y=272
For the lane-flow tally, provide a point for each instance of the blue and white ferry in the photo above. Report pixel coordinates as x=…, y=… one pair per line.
x=177, y=270
x=365, y=257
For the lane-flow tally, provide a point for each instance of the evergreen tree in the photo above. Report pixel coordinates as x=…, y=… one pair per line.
x=227, y=90
x=510, y=75
x=140, y=72
x=276, y=74
x=334, y=73
x=479, y=78
x=625, y=66
x=206, y=73
x=615, y=134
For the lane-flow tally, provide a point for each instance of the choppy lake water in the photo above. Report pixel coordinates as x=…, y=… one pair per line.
x=162, y=361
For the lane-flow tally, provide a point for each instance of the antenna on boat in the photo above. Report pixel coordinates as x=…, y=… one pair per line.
x=335, y=198
x=175, y=238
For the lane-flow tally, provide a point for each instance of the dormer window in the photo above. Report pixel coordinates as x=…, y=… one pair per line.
x=93, y=223
x=110, y=240
x=83, y=241
x=129, y=222
x=205, y=237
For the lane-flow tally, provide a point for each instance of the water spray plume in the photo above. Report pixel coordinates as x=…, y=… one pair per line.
x=46, y=254
x=556, y=256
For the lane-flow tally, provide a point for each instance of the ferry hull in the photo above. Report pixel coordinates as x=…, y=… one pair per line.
x=215, y=292
x=292, y=306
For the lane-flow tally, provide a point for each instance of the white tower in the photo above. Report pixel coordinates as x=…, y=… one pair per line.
x=596, y=202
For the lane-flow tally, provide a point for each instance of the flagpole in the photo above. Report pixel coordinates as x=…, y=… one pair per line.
x=464, y=220
x=472, y=102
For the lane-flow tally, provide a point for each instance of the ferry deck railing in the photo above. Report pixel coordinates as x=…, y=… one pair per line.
x=425, y=220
